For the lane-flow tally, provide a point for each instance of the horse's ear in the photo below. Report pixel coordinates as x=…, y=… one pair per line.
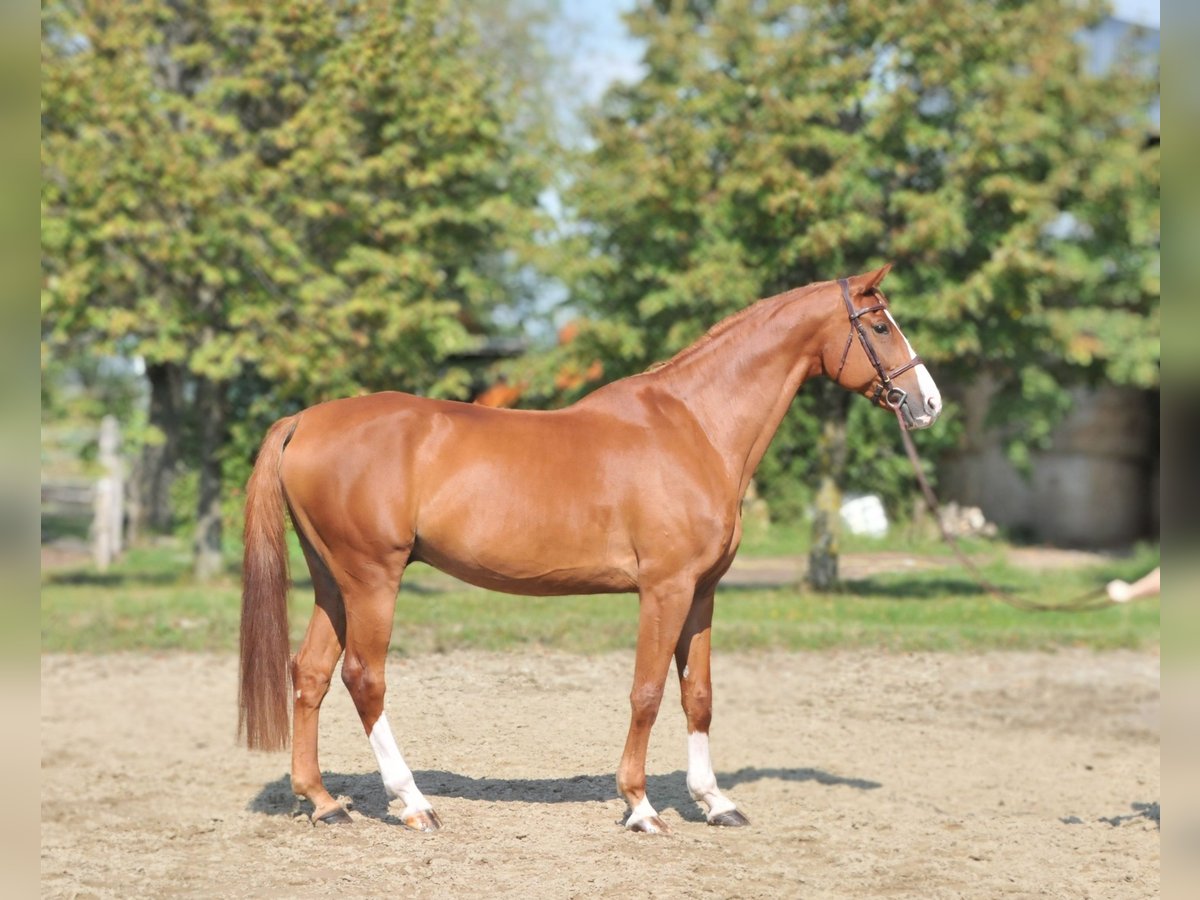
x=868, y=281
x=877, y=276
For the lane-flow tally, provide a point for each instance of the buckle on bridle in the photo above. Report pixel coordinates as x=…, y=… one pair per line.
x=893, y=397
x=897, y=402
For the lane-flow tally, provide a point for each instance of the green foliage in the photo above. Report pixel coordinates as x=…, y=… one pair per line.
x=287, y=202
x=773, y=144
x=185, y=496
x=304, y=190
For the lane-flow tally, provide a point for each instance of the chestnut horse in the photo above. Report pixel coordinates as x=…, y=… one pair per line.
x=637, y=487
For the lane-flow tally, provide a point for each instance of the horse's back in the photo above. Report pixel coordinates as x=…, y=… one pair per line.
x=385, y=428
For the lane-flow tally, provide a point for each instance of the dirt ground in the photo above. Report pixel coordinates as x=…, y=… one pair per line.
x=864, y=774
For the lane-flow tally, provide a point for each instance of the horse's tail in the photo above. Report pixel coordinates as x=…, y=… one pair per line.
x=263, y=690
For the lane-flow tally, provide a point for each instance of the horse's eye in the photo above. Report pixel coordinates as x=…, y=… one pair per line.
x=881, y=328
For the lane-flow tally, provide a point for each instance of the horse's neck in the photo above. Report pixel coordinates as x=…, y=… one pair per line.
x=739, y=383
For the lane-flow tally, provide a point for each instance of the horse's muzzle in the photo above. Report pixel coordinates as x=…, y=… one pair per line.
x=898, y=399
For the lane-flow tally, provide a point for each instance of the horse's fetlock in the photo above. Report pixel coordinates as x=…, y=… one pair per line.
x=302, y=787
x=631, y=786
x=701, y=785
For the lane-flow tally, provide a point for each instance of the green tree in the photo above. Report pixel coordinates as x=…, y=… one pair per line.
x=772, y=144
x=272, y=204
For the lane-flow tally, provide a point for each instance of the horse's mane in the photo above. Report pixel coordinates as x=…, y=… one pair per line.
x=727, y=323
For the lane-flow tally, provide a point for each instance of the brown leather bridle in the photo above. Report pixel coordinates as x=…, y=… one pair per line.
x=894, y=397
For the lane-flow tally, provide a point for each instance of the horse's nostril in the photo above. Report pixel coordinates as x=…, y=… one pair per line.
x=933, y=404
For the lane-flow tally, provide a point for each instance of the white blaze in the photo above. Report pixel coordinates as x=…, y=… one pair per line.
x=925, y=381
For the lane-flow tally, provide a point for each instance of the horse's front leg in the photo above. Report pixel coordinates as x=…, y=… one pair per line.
x=663, y=608
x=692, y=661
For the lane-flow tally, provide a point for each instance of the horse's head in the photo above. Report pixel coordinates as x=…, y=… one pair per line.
x=866, y=352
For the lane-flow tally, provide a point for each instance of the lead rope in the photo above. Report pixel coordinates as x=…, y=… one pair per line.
x=1086, y=602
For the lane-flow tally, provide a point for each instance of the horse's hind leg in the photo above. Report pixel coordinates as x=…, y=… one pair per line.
x=692, y=660
x=312, y=668
x=370, y=609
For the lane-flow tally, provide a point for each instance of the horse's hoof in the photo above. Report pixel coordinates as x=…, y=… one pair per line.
x=335, y=816
x=649, y=825
x=423, y=820
x=729, y=819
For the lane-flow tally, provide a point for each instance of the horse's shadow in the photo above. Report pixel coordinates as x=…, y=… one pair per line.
x=669, y=791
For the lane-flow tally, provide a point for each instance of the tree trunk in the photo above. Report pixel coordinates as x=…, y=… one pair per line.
x=831, y=466
x=211, y=401
x=159, y=465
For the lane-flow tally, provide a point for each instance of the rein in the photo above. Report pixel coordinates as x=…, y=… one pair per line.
x=1085, y=602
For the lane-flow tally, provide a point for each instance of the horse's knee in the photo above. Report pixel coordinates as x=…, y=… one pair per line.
x=644, y=701
x=366, y=686
x=697, y=706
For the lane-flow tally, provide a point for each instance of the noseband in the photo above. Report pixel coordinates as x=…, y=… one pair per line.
x=895, y=397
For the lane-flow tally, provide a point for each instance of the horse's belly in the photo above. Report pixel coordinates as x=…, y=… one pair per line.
x=528, y=571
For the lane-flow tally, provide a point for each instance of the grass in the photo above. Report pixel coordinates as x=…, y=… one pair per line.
x=783, y=539
x=147, y=602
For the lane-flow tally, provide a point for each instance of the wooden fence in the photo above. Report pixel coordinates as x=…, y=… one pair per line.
x=100, y=500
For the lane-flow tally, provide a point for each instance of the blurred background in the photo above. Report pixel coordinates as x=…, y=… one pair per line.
x=249, y=209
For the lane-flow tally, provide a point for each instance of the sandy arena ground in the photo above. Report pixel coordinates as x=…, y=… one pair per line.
x=864, y=774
